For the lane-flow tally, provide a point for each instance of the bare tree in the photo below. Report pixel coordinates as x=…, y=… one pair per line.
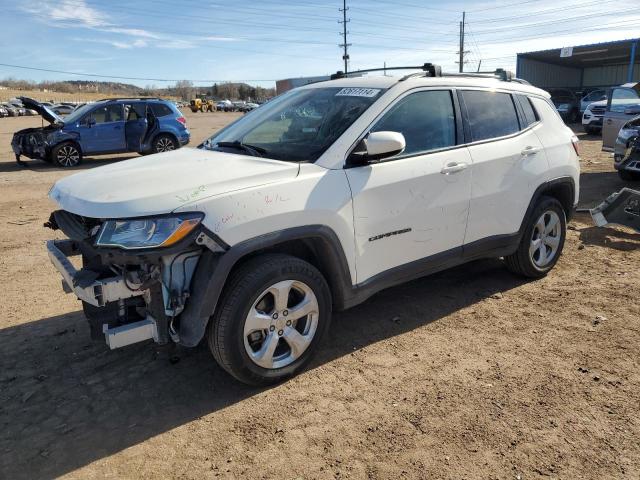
x=184, y=89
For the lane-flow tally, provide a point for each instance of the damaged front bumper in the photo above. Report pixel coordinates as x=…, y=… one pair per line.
x=131, y=297
x=626, y=153
x=95, y=292
x=622, y=208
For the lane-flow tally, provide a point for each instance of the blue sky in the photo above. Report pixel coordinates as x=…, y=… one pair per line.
x=259, y=42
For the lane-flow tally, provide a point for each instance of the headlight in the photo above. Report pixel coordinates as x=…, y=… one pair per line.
x=147, y=232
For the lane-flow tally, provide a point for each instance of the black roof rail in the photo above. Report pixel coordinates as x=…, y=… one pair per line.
x=431, y=70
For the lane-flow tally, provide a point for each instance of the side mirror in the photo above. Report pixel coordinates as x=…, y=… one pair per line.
x=632, y=110
x=375, y=147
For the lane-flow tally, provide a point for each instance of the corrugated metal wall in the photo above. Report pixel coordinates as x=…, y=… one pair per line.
x=609, y=75
x=547, y=75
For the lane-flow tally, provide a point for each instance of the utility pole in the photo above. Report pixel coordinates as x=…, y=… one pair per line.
x=344, y=44
x=461, y=52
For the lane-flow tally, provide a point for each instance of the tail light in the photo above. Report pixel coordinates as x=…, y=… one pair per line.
x=576, y=144
x=182, y=120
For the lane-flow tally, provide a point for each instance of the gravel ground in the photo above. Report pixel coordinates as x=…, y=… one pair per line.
x=470, y=373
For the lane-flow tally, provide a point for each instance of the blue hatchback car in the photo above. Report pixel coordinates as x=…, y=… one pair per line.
x=142, y=125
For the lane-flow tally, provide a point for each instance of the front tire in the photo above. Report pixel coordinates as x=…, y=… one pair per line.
x=66, y=155
x=542, y=240
x=164, y=143
x=273, y=313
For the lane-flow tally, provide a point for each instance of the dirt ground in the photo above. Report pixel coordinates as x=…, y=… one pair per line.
x=471, y=373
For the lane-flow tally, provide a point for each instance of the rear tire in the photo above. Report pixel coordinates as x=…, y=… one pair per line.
x=66, y=155
x=542, y=241
x=273, y=313
x=164, y=143
x=628, y=176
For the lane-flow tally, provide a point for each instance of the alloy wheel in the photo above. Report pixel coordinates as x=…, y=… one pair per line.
x=281, y=324
x=545, y=239
x=68, y=156
x=165, y=144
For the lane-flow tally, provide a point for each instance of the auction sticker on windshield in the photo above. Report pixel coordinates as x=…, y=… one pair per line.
x=358, y=92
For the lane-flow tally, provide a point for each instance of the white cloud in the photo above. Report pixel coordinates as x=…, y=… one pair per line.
x=214, y=38
x=68, y=11
x=78, y=14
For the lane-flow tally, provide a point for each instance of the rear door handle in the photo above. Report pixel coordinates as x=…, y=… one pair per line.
x=453, y=167
x=526, y=151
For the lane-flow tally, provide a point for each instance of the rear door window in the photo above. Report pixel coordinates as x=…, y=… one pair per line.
x=109, y=113
x=426, y=119
x=134, y=111
x=490, y=114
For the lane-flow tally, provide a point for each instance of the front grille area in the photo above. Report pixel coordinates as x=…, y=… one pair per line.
x=598, y=110
x=74, y=226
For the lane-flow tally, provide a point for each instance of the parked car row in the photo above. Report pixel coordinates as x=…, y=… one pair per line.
x=15, y=108
x=239, y=106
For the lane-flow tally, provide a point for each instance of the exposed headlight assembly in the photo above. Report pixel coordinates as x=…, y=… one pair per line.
x=136, y=233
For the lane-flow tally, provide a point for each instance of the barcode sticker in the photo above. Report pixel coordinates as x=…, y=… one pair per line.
x=358, y=92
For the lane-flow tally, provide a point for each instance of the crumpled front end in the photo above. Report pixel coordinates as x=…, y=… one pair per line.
x=128, y=296
x=32, y=144
x=626, y=154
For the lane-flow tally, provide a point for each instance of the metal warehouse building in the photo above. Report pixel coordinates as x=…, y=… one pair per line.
x=598, y=65
x=289, y=83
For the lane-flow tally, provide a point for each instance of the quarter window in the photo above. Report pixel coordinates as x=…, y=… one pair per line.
x=528, y=111
x=426, y=119
x=491, y=114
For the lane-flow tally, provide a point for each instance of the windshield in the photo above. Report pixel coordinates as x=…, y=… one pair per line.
x=76, y=115
x=296, y=126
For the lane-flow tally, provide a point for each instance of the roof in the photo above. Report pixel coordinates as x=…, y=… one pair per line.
x=453, y=80
x=595, y=54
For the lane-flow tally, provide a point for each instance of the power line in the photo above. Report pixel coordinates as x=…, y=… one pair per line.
x=97, y=75
x=502, y=6
x=544, y=12
x=554, y=22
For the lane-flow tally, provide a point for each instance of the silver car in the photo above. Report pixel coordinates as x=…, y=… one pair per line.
x=626, y=155
x=623, y=104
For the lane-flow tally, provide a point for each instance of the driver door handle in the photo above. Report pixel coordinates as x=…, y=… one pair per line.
x=526, y=151
x=454, y=167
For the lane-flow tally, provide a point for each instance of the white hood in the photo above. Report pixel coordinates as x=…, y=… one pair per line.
x=158, y=184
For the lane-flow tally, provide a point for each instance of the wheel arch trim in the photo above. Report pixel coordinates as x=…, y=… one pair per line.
x=213, y=271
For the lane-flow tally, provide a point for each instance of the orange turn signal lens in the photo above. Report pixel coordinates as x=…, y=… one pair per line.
x=182, y=231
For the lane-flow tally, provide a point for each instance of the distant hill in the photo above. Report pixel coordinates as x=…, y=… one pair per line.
x=183, y=89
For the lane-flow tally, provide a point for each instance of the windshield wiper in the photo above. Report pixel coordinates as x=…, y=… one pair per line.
x=252, y=149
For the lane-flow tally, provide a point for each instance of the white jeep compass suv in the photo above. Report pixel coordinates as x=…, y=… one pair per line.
x=312, y=203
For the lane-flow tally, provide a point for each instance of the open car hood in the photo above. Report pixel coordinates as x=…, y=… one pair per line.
x=159, y=184
x=44, y=111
